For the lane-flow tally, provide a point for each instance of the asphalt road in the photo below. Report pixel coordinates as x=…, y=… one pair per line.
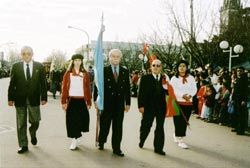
x=210, y=145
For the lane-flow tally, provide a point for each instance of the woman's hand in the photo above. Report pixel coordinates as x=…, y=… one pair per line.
x=64, y=107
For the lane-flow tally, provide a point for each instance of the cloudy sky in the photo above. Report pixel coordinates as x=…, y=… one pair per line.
x=43, y=24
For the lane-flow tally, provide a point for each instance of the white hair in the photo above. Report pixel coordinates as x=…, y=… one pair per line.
x=117, y=51
x=26, y=48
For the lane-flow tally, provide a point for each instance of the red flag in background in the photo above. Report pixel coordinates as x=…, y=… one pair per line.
x=145, y=48
x=151, y=56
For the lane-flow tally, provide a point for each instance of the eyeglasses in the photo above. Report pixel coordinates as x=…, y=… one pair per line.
x=156, y=65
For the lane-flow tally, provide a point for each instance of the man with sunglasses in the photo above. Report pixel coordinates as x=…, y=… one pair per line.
x=151, y=103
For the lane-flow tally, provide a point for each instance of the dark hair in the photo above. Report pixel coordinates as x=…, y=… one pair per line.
x=241, y=67
x=76, y=56
x=177, y=67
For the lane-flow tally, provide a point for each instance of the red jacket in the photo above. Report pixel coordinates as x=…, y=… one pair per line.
x=66, y=85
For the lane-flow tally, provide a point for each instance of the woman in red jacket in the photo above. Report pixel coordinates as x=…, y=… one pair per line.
x=76, y=99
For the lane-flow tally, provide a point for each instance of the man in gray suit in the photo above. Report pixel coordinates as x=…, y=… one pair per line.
x=27, y=90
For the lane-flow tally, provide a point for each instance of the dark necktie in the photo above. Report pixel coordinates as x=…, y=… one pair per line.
x=27, y=72
x=115, y=74
x=157, y=78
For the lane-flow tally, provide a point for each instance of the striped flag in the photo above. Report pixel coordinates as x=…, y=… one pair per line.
x=98, y=67
x=172, y=106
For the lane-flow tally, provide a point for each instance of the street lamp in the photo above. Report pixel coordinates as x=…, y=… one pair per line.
x=143, y=58
x=237, y=49
x=70, y=27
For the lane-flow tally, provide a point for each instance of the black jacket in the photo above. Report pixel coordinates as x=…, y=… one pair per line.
x=20, y=89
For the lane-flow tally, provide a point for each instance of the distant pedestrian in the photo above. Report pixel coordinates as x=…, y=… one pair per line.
x=76, y=99
x=184, y=86
x=92, y=77
x=55, y=80
x=27, y=90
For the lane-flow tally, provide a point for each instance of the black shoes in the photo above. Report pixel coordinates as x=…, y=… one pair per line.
x=160, y=152
x=233, y=130
x=141, y=145
x=240, y=133
x=101, y=146
x=34, y=141
x=119, y=153
x=22, y=150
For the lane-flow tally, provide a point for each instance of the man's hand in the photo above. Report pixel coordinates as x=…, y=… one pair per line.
x=127, y=107
x=141, y=109
x=43, y=102
x=10, y=103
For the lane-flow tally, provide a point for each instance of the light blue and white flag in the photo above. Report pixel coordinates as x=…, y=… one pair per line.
x=98, y=67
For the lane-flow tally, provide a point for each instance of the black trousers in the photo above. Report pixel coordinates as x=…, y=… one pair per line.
x=116, y=118
x=239, y=117
x=146, y=124
x=180, y=123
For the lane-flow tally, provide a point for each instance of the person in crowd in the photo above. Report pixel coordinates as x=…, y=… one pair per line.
x=212, y=77
x=27, y=90
x=210, y=101
x=184, y=86
x=217, y=88
x=240, y=96
x=223, y=117
x=134, y=82
x=116, y=101
x=200, y=96
x=152, y=105
x=55, y=80
x=76, y=99
x=92, y=78
x=195, y=99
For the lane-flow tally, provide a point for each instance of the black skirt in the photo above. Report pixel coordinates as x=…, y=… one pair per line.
x=77, y=118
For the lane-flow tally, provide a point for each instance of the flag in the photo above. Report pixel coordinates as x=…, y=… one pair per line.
x=98, y=67
x=152, y=56
x=172, y=106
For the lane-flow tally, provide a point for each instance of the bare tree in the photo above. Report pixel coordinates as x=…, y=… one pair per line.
x=190, y=35
x=13, y=55
x=57, y=57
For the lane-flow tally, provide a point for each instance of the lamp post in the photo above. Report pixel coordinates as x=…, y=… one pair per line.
x=70, y=27
x=143, y=58
x=237, y=49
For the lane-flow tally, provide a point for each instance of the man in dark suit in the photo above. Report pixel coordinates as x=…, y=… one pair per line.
x=151, y=103
x=240, y=96
x=116, y=101
x=27, y=90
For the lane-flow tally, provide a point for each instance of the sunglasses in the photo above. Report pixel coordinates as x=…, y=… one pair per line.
x=156, y=65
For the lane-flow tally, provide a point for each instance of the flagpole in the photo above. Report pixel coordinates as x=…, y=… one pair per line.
x=98, y=111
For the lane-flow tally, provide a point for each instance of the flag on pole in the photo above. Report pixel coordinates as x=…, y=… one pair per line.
x=146, y=50
x=172, y=106
x=98, y=67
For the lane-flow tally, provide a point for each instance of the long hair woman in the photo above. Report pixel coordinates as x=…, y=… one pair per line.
x=76, y=99
x=184, y=86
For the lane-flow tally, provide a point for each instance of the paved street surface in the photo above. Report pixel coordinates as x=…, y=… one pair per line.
x=210, y=145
